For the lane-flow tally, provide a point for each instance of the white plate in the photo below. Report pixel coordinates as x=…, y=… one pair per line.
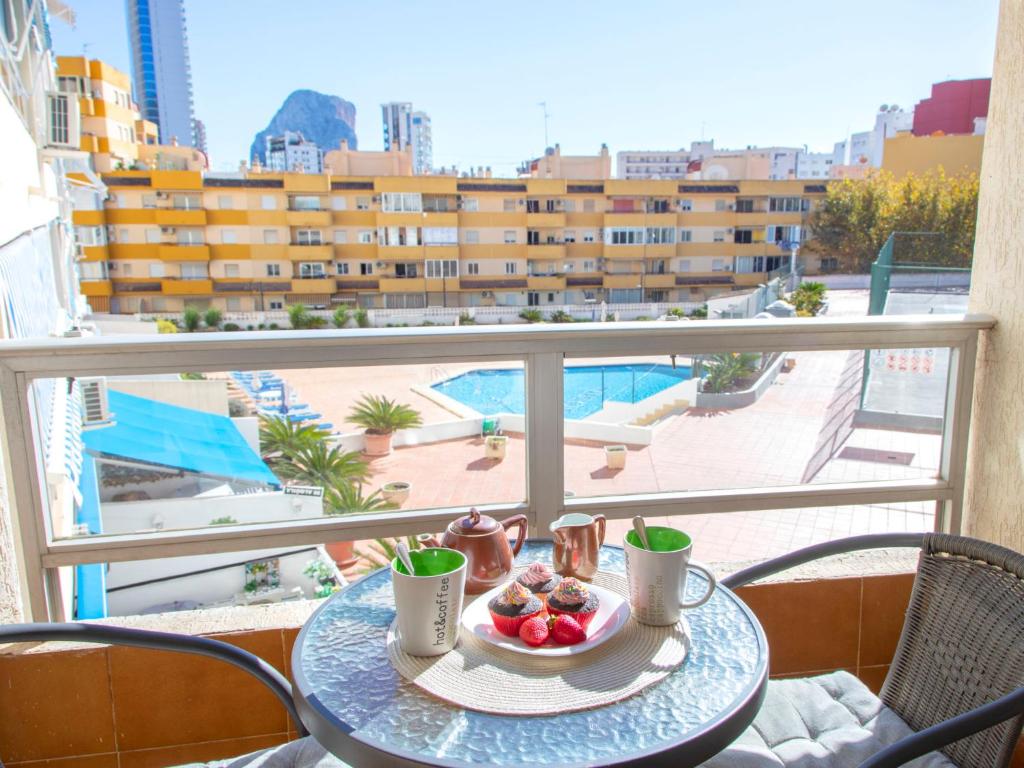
x=612, y=615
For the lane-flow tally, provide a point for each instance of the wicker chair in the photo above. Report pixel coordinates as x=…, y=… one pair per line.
x=302, y=753
x=958, y=670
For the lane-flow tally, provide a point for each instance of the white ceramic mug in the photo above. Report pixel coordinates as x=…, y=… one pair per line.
x=657, y=576
x=429, y=605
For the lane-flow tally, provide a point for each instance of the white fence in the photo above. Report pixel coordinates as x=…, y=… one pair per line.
x=543, y=349
x=504, y=315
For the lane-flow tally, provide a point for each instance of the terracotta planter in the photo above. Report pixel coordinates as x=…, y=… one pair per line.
x=342, y=552
x=495, y=447
x=615, y=456
x=376, y=445
x=396, y=492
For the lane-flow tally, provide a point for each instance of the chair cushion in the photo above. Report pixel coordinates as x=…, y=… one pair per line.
x=832, y=720
x=301, y=753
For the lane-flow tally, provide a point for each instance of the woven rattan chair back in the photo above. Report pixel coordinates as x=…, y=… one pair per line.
x=962, y=643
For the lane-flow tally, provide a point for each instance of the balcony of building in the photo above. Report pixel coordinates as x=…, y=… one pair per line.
x=310, y=251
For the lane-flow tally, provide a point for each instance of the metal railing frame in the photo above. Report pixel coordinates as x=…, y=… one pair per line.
x=543, y=348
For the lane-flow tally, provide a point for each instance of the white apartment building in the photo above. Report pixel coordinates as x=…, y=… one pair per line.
x=704, y=161
x=865, y=148
x=292, y=153
x=405, y=128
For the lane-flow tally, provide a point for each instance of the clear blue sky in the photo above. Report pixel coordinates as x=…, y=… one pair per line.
x=647, y=75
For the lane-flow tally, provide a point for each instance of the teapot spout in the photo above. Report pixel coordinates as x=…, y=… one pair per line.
x=428, y=540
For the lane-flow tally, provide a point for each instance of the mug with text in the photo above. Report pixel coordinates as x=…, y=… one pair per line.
x=657, y=576
x=429, y=604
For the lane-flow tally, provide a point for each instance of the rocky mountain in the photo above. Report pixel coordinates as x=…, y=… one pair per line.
x=321, y=118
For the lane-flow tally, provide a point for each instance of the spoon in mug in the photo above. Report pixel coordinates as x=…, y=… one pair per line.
x=641, y=531
x=403, y=555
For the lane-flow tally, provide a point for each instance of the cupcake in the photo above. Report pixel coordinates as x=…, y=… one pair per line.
x=574, y=599
x=539, y=579
x=513, y=606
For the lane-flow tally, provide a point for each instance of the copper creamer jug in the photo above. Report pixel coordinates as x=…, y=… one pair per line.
x=578, y=538
x=484, y=542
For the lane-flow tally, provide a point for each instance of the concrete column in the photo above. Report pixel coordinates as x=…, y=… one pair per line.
x=994, y=506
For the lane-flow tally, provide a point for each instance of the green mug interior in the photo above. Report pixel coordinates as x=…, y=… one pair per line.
x=434, y=561
x=662, y=539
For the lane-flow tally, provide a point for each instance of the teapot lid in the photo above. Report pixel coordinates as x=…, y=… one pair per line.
x=474, y=524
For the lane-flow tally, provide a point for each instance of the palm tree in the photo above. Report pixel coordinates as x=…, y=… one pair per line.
x=280, y=438
x=380, y=417
x=318, y=464
x=724, y=370
x=347, y=499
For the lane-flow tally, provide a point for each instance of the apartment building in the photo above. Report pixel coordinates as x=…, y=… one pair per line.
x=251, y=242
x=113, y=131
x=704, y=161
x=293, y=153
x=405, y=128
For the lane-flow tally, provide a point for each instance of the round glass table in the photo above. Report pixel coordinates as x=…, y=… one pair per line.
x=358, y=707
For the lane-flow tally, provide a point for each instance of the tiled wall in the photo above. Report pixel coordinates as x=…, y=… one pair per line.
x=132, y=708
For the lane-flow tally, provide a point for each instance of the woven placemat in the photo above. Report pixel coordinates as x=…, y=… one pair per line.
x=482, y=677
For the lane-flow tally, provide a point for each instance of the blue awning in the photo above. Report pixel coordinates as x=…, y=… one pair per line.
x=90, y=579
x=153, y=432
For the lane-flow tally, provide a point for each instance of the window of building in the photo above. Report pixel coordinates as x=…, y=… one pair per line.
x=96, y=270
x=442, y=268
x=588, y=237
x=398, y=202
x=470, y=204
x=233, y=304
x=156, y=270
x=721, y=205
x=685, y=235
x=339, y=203
x=225, y=202
x=273, y=270
x=510, y=267
x=589, y=265
x=365, y=268
x=569, y=236
x=365, y=236
x=745, y=206
x=152, y=234
x=124, y=235
x=270, y=236
x=743, y=236
x=406, y=270
x=276, y=304
x=190, y=236
x=149, y=201
x=718, y=236
x=684, y=265
x=194, y=271
x=510, y=236
x=472, y=268
x=311, y=270
x=308, y=237
x=228, y=236
x=232, y=270
x=661, y=235
x=718, y=265
x=508, y=205
x=568, y=267
x=788, y=204
x=625, y=235
x=568, y=206
x=532, y=237
x=342, y=267
x=126, y=269
x=362, y=203
x=472, y=236
x=305, y=203
x=588, y=206
x=440, y=236
x=340, y=236
x=268, y=202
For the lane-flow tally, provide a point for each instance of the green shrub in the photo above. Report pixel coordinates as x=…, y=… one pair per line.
x=212, y=318
x=190, y=318
x=560, y=316
x=700, y=313
x=298, y=316
x=341, y=317
x=379, y=415
x=808, y=298
x=362, y=318
x=249, y=327
x=233, y=327
x=465, y=319
x=275, y=327
x=676, y=312
x=531, y=315
x=226, y=520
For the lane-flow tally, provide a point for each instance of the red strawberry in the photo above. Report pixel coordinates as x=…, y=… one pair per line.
x=565, y=630
x=534, y=631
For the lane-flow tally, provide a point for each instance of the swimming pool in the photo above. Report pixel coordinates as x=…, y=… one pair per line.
x=587, y=388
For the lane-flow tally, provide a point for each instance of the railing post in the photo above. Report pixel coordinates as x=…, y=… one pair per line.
x=545, y=430
x=955, y=428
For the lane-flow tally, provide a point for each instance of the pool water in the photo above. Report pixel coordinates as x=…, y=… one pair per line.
x=587, y=388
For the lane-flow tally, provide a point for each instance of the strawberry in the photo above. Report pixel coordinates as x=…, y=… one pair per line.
x=565, y=630
x=534, y=631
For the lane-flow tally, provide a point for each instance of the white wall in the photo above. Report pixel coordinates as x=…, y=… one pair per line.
x=209, y=396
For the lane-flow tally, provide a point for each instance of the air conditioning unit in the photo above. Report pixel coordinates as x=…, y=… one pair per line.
x=732, y=206
x=487, y=294
x=95, y=406
x=162, y=195
x=63, y=121
x=380, y=265
x=167, y=230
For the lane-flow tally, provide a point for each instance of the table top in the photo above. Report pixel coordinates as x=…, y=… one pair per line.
x=356, y=705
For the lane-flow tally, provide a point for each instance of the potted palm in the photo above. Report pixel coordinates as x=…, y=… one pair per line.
x=347, y=498
x=381, y=418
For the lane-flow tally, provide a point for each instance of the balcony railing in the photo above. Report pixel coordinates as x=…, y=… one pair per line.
x=544, y=351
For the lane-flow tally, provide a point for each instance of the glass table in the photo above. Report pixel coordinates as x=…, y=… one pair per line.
x=357, y=706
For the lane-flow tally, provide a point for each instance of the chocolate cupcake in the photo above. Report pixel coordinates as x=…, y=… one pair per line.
x=539, y=579
x=573, y=599
x=513, y=606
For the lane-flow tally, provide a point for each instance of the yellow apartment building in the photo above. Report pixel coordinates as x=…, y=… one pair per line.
x=113, y=131
x=259, y=241
x=954, y=153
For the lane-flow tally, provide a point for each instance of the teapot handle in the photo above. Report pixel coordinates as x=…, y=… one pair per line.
x=520, y=522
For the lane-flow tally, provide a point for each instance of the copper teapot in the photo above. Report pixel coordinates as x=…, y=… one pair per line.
x=484, y=542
